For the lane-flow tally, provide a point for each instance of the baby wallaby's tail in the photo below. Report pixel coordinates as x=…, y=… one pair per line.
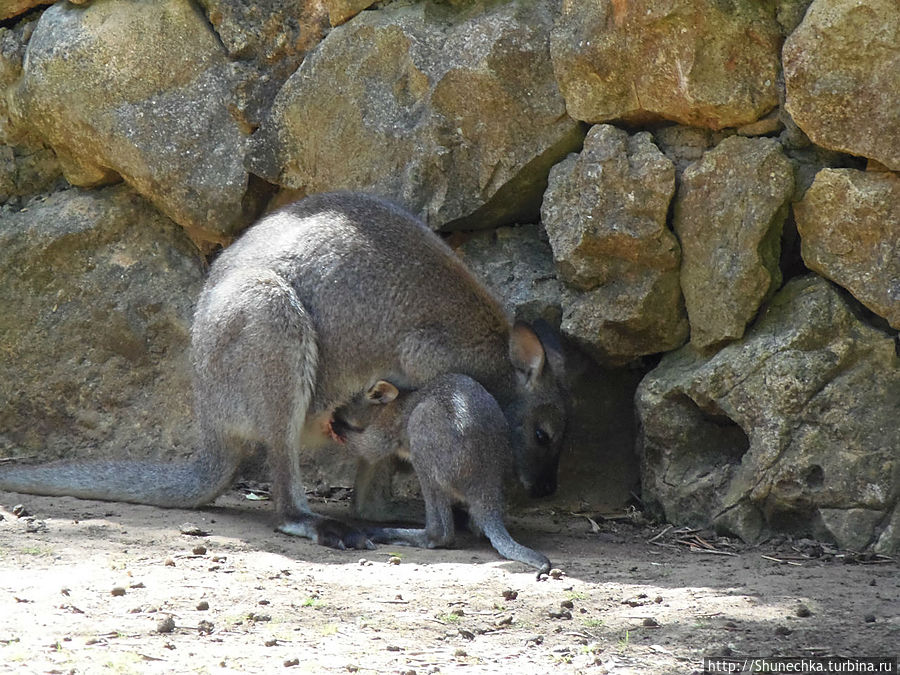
x=491, y=524
x=176, y=485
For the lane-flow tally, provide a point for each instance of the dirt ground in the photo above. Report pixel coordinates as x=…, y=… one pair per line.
x=91, y=587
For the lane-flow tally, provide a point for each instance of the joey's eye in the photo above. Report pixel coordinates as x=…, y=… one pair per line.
x=541, y=436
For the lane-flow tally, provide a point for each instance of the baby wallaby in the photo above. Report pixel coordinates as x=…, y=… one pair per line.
x=456, y=437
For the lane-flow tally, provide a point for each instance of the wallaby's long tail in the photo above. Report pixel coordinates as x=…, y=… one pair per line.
x=176, y=484
x=505, y=545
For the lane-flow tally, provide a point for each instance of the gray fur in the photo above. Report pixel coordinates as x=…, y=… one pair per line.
x=456, y=438
x=312, y=304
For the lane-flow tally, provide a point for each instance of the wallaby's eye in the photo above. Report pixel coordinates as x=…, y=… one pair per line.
x=541, y=436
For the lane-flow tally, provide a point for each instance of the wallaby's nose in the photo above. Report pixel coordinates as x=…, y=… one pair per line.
x=544, y=487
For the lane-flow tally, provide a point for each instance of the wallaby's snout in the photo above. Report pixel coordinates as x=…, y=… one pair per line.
x=546, y=483
x=540, y=480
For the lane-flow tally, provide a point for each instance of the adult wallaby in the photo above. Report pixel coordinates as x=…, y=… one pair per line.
x=312, y=304
x=455, y=436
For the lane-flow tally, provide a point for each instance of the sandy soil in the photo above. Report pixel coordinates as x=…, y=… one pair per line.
x=106, y=588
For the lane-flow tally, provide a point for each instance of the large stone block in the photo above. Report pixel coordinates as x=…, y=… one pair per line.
x=267, y=40
x=729, y=214
x=11, y=8
x=27, y=166
x=140, y=90
x=795, y=428
x=849, y=224
x=454, y=114
x=98, y=290
x=842, y=75
x=517, y=264
x=605, y=214
x=699, y=62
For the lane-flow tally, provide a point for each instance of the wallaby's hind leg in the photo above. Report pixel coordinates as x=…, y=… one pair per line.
x=256, y=361
x=372, y=490
x=439, y=531
x=297, y=519
x=373, y=499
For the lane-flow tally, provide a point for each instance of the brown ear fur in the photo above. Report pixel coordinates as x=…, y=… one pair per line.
x=382, y=392
x=526, y=351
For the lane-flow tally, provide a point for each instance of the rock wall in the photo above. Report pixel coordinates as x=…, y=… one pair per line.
x=700, y=194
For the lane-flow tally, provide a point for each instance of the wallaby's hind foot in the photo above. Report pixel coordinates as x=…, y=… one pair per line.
x=326, y=532
x=400, y=536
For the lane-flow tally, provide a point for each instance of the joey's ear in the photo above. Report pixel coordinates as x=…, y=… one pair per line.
x=526, y=351
x=382, y=392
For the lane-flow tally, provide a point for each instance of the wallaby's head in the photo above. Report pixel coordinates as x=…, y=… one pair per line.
x=537, y=414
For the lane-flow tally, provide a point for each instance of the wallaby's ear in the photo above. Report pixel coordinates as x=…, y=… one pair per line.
x=382, y=392
x=552, y=348
x=526, y=351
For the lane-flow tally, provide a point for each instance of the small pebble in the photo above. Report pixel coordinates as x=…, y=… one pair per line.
x=393, y=648
x=650, y=622
x=869, y=618
x=510, y=594
x=203, y=605
x=568, y=604
x=169, y=562
x=458, y=611
x=271, y=643
x=19, y=511
x=394, y=560
x=192, y=530
x=556, y=573
x=199, y=550
x=460, y=653
x=118, y=591
x=205, y=627
x=782, y=630
x=466, y=634
x=803, y=611
x=165, y=625
x=562, y=614
x=505, y=620
x=291, y=663
x=32, y=525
